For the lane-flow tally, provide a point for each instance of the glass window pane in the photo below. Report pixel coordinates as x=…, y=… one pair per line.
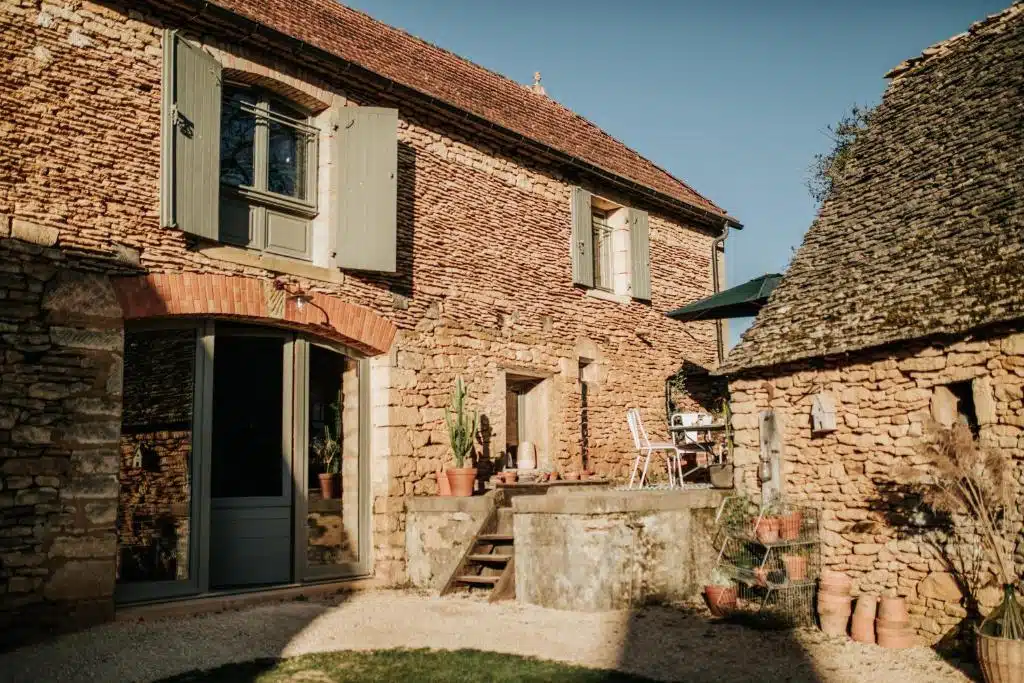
x=286, y=170
x=602, y=235
x=333, y=499
x=247, y=447
x=154, y=506
x=237, y=138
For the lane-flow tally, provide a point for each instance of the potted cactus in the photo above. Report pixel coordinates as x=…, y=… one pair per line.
x=461, y=433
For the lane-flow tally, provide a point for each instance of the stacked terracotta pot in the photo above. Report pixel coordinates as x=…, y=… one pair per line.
x=862, y=626
x=834, y=602
x=892, y=627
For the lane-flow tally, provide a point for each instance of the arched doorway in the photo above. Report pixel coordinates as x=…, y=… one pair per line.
x=224, y=423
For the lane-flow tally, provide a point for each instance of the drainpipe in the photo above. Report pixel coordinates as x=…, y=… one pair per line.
x=715, y=283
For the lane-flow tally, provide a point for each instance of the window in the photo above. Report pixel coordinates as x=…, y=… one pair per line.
x=268, y=152
x=604, y=273
x=240, y=164
x=610, y=247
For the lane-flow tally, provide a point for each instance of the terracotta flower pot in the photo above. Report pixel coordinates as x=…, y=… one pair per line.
x=834, y=604
x=720, y=599
x=1001, y=659
x=835, y=583
x=767, y=530
x=789, y=525
x=572, y=476
x=510, y=477
x=862, y=626
x=796, y=567
x=834, y=624
x=761, y=576
x=443, y=488
x=462, y=480
x=327, y=486
x=892, y=608
x=897, y=638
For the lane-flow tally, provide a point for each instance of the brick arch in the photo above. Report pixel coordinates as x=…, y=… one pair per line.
x=160, y=295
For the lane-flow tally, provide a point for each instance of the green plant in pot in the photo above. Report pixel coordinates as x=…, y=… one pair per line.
x=462, y=429
x=327, y=451
x=973, y=486
x=720, y=592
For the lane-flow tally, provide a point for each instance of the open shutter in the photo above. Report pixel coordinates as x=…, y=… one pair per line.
x=366, y=150
x=640, y=252
x=582, y=239
x=191, y=138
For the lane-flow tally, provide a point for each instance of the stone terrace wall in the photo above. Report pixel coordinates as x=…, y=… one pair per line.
x=484, y=230
x=884, y=400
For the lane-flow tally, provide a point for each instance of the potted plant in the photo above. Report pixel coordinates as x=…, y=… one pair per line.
x=720, y=593
x=461, y=433
x=973, y=486
x=327, y=451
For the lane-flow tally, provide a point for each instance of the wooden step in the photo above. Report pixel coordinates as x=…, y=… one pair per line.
x=478, y=580
x=503, y=559
x=495, y=538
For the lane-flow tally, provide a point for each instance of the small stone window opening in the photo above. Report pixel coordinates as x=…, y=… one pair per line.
x=963, y=410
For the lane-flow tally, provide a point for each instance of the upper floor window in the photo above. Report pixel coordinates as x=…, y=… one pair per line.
x=610, y=247
x=268, y=172
x=241, y=164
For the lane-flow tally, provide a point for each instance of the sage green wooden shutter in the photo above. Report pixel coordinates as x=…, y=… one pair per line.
x=640, y=253
x=582, y=238
x=366, y=154
x=190, y=186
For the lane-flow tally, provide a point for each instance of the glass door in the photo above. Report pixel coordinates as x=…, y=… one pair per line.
x=332, y=511
x=159, y=506
x=250, y=458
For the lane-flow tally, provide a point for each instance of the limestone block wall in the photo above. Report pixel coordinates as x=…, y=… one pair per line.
x=60, y=385
x=484, y=272
x=884, y=400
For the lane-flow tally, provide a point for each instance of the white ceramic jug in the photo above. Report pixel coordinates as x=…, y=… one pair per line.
x=526, y=456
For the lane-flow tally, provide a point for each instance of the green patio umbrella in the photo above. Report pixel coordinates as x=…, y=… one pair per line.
x=740, y=301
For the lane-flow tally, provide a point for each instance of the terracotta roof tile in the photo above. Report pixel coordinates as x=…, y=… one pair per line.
x=924, y=233
x=438, y=73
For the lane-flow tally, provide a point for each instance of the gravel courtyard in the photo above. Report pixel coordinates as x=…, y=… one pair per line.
x=656, y=642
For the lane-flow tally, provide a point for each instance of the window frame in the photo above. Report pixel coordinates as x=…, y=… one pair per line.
x=260, y=200
x=599, y=224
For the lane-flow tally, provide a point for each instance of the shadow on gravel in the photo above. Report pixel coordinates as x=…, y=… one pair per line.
x=688, y=646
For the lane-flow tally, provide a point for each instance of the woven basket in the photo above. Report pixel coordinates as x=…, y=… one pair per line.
x=1001, y=659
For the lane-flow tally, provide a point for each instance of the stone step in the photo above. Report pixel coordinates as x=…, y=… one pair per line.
x=478, y=580
x=489, y=559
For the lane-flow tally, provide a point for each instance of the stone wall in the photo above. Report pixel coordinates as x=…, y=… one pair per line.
x=483, y=283
x=884, y=400
x=594, y=551
x=60, y=382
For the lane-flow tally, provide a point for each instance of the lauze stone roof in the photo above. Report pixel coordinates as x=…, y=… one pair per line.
x=409, y=61
x=924, y=234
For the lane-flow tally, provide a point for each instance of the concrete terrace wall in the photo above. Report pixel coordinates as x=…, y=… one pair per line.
x=483, y=286
x=594, y=551
x=884, y=400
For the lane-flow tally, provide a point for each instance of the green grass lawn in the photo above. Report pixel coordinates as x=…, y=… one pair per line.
x=429, y=666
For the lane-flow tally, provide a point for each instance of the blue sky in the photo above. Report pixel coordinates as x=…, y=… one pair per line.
x=731, y=96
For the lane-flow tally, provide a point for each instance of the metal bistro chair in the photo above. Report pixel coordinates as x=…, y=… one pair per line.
x=644, y=448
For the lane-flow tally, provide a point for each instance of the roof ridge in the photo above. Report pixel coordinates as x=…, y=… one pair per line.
x=943, y=47
x=449, y=78
x=526, y=89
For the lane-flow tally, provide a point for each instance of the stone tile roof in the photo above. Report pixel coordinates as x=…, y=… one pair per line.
x=924, y=234
x=438, y=73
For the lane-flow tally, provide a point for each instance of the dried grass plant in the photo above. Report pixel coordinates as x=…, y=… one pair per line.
x=972, y=485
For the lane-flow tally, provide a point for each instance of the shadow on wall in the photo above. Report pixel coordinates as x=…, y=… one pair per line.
x=693, y=387
x=904, y=510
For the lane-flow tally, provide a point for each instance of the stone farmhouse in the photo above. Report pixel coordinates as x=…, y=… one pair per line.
x=905, y=302
x=229, y=225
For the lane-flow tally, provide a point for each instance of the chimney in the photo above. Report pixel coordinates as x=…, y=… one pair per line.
x=537, y=87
